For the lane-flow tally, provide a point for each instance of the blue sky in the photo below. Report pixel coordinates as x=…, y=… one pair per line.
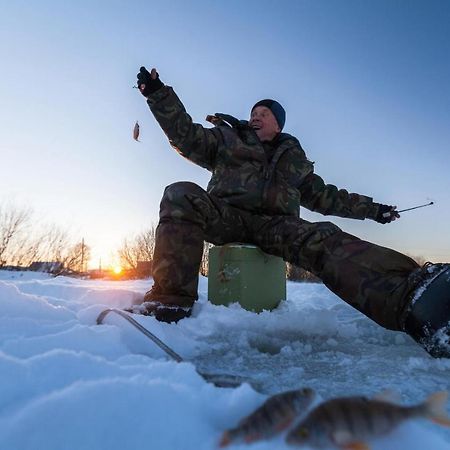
x=365, y=85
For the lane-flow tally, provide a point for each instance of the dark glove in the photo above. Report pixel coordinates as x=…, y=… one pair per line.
x=146, y=84
x=386, y=214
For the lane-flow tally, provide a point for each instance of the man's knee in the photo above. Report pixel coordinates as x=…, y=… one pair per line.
x=176, y=191
x=177, y=201
x=308, y=238
x=290, y=236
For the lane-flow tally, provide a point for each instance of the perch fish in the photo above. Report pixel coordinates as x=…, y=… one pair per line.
x=273, y=416
x=349, y=422
x=136, y=132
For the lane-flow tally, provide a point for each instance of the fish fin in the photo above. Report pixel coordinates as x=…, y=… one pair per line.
x=388, y=396
x=283, y=425
x=225, y=439
x=356, y=446
x=341, y=437
x=252, y=438
x=435, y=408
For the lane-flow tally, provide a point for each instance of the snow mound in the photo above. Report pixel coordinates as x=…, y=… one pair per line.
x=68, y=383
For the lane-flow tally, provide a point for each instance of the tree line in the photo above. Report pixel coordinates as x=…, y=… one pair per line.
x=25, y=240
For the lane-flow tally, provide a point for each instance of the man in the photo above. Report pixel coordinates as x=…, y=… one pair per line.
x=260, y=177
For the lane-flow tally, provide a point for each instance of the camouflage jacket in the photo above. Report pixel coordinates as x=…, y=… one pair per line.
x=241, y=172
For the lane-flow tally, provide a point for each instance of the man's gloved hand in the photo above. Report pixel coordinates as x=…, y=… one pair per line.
x=148, y=82
x=386, y=214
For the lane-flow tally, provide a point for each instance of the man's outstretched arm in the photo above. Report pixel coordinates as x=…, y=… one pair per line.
x=191, y=140
x=327, y=199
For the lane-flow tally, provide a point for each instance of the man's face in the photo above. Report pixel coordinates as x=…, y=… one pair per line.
x=264, y=123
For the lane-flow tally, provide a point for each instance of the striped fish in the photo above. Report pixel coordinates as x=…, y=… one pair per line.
x=275, y=415
x=349, y=422
x=136, y=132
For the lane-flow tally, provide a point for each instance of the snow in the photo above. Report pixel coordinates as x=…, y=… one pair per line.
x=67, y=383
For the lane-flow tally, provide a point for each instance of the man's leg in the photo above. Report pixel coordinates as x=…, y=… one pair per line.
x=188, y=216
x=373, y=279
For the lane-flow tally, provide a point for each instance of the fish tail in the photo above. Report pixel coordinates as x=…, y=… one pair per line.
x=435, y=408
x=225, y=439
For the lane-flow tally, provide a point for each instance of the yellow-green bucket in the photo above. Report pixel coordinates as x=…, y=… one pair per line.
x=243, y=273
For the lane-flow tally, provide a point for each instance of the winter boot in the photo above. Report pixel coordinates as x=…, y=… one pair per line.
x=164, y=312
x=427, y=318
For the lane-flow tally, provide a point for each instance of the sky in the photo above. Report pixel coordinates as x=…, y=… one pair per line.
x=365, y=86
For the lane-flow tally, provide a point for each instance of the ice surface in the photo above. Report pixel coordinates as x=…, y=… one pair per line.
x=66, y=382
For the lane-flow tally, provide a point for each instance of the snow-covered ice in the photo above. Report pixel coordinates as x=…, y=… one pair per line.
x=67, y=383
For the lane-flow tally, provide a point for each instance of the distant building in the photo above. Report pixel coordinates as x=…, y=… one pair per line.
x=46, y=266
x=96, y=273
x=14, y=268
x=144, y=269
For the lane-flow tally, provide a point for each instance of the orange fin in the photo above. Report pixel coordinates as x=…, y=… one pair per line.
x=343, y=440
x=436, y=408
x=225, y=440
x=444, y=422
x=356, y=446
x=283, y=425
x=252, y=438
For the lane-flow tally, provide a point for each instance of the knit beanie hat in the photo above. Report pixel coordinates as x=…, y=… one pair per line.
x=277, y=110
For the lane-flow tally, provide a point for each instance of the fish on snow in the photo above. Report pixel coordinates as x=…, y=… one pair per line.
x=349, y=422
x=273, y=416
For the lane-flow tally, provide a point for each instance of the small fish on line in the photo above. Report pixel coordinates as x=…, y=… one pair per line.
x=349, y=422
x=136, y=132
x=272, y=417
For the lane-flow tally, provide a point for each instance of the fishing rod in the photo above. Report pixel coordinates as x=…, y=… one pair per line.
x=415, y=207
x=387, y=214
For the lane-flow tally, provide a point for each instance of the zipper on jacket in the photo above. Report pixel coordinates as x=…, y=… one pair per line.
x=268, y=171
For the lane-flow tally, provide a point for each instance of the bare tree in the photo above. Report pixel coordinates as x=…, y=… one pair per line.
x=138, y=248
x=128, y=254
x=55, y=245
x=26, y=250
x=142, y=247
x=75, y=257
x=24, y=241
x=296, y=273
x=146, y=242
x=13, y=222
